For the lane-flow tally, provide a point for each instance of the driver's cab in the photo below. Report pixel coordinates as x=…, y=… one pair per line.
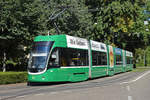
x=39, y=56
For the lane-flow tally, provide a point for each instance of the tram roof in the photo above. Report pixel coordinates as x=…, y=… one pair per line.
x=77, y=42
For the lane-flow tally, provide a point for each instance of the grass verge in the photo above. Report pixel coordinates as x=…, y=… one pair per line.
x=12, y=77
x=141, y=69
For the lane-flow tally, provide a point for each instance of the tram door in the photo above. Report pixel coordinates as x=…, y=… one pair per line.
x=124, y=60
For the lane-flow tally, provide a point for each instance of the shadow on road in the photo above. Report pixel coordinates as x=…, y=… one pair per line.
x=45, y=83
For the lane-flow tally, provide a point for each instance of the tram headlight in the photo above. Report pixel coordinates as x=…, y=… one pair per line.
x=51, y=70
x=43, y=78
x=33, y=77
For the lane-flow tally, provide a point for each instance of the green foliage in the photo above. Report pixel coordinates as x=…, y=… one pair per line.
x=117, y=22
x=75, y=21
x=20, y=21
x=13, y=77
x=139, y=56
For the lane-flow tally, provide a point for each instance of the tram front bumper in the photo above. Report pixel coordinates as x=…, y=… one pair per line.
x=38, y=78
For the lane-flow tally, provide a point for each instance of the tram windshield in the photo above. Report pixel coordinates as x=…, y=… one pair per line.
x=39, y=56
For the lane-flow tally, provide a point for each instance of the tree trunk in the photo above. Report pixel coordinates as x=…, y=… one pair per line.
x=4, y=62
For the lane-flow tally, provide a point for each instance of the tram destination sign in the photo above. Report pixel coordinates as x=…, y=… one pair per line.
x=75, y=42
x=98, y=46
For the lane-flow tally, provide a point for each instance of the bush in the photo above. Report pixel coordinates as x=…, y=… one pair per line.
x=12, y=77
x=139, y=56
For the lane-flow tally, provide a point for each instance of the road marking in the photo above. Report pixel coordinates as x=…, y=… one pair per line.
x=39, y=94
x=20, y=97
x=67, y=91
x=136, y=78
x=141, y=76
x=128, y=88
x=53, y=92
x=129, y=97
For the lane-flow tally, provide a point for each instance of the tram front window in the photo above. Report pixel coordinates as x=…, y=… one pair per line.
x=39, y=56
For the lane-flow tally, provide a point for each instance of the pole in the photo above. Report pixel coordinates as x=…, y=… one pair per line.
x=90, y=60
x=56, y=27
x=4, y=62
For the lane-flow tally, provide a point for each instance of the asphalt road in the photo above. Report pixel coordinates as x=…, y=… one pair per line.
x=124, y=86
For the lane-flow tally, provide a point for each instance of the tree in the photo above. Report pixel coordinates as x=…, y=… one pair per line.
x=118, y=22
x=20, y=21
x=76, y=20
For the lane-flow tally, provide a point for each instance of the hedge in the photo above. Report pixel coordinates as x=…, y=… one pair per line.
x=12, y=77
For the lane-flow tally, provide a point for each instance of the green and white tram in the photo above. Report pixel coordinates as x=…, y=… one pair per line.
x=58, y=58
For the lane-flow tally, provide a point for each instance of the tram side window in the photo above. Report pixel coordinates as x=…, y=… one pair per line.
x=73, y=57
x=118, y=60
x=129, y=60
x=99, y=58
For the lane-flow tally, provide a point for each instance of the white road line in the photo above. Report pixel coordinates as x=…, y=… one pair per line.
x=39, y=94
x=128, y=88
x=20, y=97
x=136, y=78
x=130, y=98
x=53, y=92
x=67, y=91
x=141, y=76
